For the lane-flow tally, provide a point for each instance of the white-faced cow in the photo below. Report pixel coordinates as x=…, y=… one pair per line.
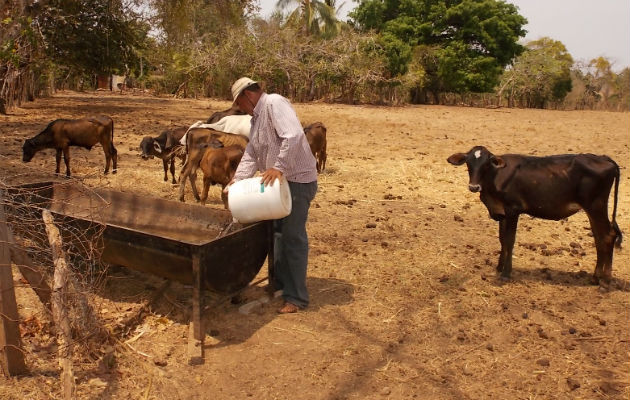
x=165, y=146
x=553, y=187
x=63, y=133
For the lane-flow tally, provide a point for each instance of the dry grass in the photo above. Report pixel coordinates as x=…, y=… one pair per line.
x=407, y=308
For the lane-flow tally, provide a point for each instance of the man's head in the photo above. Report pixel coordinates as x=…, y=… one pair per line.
x=246, y=93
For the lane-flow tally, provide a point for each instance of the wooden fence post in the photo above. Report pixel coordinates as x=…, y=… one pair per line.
x=59, y=310
x=11, y=355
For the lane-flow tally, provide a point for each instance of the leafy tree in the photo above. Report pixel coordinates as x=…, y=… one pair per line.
x=316, y=16
x=467, y=43
x=540, y=75
x=623, y=85
x=91, y=36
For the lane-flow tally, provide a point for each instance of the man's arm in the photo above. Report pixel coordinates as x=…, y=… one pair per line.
x=288, y=127
x=247, y=167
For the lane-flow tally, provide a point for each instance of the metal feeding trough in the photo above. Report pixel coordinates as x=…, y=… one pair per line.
x=186, y=243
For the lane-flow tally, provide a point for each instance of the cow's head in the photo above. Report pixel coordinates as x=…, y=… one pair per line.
x=149, y=148
x=28, y=150
x=479, y=162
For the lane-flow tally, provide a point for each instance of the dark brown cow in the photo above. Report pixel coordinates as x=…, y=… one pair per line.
x=316, y=136
x=217, y=116
x=553, y=187
x=197, y=141
x=63, y=133
x=165, y=146
x=219, y=165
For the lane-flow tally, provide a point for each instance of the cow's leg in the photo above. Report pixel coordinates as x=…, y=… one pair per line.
x=165, y=165
x=507, y=236
x=193, y=183
x=114, y=158
x=107, y=149
x=173, y=170
x=66, y=159
x=58, y=159
x=323, y=158
x=108, y=160
x=182, y=180
x=206, y=188
x=604, y=235
x=224, y=197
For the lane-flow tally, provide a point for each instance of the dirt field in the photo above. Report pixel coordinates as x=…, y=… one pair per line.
x=405, y=302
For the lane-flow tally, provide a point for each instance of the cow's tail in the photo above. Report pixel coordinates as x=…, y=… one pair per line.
x=619, y=237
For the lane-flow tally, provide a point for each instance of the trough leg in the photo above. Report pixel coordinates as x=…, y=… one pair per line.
x=196, y=332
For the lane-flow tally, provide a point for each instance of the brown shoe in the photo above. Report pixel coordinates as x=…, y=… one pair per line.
x=288, y=308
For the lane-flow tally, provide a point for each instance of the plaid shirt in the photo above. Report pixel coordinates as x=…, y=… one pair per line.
x=277, y=140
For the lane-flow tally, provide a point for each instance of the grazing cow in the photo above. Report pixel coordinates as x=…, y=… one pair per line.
x=553, y=187
x=219, y=115
x=197, y=140
x=164, y=147
x=63, y=133
x=219, y=165
x=316, y=136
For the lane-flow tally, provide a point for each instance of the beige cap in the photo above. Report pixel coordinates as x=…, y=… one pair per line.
x=240, y=85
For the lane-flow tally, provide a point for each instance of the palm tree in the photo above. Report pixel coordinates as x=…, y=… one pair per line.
x=319, y=17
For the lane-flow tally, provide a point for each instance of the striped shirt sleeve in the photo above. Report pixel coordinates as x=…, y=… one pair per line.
x=289, y=129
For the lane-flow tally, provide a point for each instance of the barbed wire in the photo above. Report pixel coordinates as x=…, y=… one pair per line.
x=77, y=209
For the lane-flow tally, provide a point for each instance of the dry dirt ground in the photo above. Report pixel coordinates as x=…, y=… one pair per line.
x=405, y=302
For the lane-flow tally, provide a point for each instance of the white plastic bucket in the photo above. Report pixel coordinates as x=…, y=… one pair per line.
x=250, y=200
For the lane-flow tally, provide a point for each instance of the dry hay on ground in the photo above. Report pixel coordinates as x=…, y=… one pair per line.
x=405, y=301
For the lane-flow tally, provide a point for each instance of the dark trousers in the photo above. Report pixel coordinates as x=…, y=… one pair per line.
x=291, y=245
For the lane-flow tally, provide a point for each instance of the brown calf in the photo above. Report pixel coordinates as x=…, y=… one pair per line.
x=197, y=141
x=63, y=133
x=219, y=165
x=553, y=187
x=316, y=136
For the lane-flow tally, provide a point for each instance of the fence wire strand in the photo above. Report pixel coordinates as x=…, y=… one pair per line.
x=26, y=192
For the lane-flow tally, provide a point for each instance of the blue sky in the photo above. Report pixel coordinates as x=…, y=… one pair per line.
x=588, y=28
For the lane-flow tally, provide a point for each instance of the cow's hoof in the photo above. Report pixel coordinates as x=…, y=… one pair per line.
x=594, y=280
x=114, y=171
x=504, y=279
x=604, y=287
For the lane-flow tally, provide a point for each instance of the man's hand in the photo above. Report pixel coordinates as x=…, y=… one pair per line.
x=270, y=175
x=226, y=189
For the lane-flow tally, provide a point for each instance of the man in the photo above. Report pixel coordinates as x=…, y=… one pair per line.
x=278, y=147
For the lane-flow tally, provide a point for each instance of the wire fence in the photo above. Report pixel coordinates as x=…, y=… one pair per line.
x=24, y=194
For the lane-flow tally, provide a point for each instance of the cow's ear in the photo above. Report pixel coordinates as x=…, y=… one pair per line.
x=457, y=159
x=157, y=147
x=497, y=162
